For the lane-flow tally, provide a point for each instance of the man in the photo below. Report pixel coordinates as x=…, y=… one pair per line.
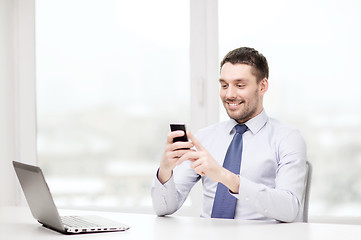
x=267, y=183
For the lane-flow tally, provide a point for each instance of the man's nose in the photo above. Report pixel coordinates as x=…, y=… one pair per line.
x=231, y=92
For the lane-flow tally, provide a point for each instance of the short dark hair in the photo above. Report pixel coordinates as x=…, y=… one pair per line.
x=251, y=57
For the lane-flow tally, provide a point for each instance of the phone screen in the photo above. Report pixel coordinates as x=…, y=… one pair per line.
x=176, y=127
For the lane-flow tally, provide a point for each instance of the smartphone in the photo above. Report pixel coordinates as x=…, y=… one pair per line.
x=176, y=127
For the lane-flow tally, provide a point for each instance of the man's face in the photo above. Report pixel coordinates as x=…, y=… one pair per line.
x=240, y=93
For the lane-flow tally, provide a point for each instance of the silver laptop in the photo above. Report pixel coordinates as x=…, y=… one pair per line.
x=43, y=208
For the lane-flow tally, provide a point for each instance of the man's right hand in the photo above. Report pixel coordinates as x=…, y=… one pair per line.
x=172, y=153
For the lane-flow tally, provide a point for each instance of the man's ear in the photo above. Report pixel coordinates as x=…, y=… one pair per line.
x=263, y=86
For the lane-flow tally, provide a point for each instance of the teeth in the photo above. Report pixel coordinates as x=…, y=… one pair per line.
x=233, y=104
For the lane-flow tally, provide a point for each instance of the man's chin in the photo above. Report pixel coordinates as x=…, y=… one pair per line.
x=239, y=117
x=234, y=115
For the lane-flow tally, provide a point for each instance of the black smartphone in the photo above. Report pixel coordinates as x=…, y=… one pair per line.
x=176, y=127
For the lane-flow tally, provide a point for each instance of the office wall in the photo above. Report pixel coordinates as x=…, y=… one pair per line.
x=7, y=138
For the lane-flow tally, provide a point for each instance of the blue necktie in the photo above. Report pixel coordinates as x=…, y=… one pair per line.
x=224, y=205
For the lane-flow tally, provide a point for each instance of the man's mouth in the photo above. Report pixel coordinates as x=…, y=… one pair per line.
x=234, y=105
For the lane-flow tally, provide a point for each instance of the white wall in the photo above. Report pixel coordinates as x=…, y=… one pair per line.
x=17, y=93
x=7, y=138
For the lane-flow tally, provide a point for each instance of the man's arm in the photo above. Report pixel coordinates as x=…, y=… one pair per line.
x=167, y=196
x=283, y=202
x=164, y=197
x=173, y=151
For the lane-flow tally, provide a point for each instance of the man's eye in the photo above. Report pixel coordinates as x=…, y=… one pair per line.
x=223, y=86
x=240, y=85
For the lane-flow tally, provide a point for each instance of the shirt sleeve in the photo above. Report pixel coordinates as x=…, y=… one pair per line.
x=164, y=196
x=284, y=201
x=169, y=197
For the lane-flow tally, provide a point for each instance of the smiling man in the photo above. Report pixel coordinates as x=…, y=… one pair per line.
x=252, y=166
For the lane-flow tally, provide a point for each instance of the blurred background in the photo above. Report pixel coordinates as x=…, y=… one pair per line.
x=111, y=75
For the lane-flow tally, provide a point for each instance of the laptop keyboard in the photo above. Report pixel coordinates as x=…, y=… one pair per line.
x=91, y=223
x=78, y=222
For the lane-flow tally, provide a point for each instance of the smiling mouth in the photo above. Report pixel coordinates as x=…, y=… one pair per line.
x=234, y=104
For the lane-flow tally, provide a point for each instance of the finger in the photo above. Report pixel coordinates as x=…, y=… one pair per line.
x=180, y=146
x=179, y=153
x=196, y=163
x=174, y=134
x=191, y=155
x=199, y=170
x=195, y=141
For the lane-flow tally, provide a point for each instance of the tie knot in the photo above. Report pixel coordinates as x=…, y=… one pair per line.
x=241, y=128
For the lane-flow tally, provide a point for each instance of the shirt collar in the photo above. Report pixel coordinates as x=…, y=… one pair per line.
x=254, y=124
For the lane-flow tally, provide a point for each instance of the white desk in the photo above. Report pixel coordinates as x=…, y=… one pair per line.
x=17, y=223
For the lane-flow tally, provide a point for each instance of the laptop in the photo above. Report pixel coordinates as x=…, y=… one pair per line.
x=43, y=208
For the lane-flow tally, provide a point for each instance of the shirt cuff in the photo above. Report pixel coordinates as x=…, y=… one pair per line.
x=168, y=184
x=247, y=191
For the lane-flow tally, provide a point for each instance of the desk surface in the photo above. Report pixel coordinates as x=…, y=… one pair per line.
x=17, y=223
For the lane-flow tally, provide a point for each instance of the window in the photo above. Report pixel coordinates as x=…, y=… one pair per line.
x=91, y=55
x=313, y=51
x=111, y=76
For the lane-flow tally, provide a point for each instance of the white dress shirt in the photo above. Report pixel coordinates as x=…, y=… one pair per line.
x=272, y=174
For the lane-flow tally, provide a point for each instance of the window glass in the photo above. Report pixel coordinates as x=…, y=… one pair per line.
x=313, y=52
x=111, y=76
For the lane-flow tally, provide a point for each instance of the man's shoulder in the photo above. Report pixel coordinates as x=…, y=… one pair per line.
x=282, y=130
x=279, y=124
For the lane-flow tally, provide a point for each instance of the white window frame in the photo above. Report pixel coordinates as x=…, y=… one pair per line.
x=204, y=67
x=25, y=82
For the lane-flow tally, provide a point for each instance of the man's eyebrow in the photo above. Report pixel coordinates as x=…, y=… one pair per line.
x=241, y=80
x=237, y=80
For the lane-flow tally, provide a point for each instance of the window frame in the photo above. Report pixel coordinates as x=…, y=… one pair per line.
x=24, y=85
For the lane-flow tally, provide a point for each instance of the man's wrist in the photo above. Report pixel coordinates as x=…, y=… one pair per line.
x=231, y=181
x=164, y=175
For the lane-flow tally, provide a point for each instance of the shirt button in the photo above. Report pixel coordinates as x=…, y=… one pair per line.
x=247, y=199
